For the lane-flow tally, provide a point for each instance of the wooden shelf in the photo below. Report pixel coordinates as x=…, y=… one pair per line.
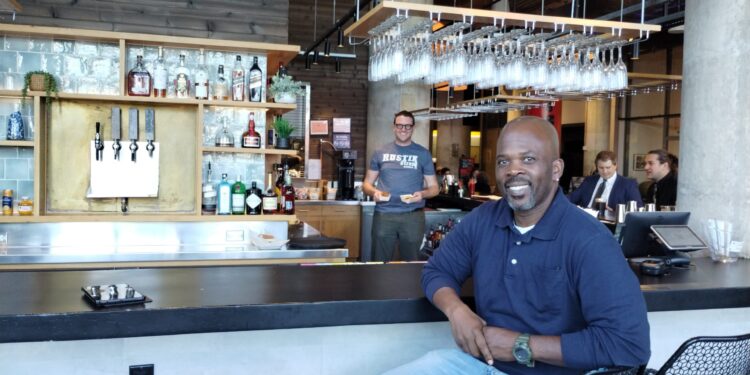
x=275, y=53
x=141, y=218
x=385, y=9
x=275, y=107
x=16, y=143
x=265, y=151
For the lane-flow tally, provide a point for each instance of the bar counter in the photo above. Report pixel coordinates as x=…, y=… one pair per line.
x=48, y=305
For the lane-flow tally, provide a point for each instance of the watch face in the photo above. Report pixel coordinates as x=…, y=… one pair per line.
x=521, y=354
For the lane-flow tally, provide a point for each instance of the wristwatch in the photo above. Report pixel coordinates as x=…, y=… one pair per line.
x=522, y=351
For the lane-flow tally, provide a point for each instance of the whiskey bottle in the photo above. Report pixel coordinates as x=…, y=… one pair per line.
x=238, y=80
x=270, y=200
x=182, y=80
x=209, y=194
x=282, y=70
x=160, y=76
x=254, y=200
x=201, y=78
x=288, y=208
x=251, y=138
x=221, y=92
x=139, y=79
x=238, y=197
x=255, y=82
x=224, y=203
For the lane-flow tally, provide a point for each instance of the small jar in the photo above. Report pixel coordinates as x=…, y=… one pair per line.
x=25, y=206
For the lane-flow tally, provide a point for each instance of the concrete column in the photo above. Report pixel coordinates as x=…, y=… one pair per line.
x=714, y=178
x=596, y=132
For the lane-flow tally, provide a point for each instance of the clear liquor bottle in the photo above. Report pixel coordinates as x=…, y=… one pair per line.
x=201, y=78
x=160, y=76
x=224, y=202
x=254, y=200
x=182, y=80
x=139, y=79
x=288, y=190
x=209, y=194
x=255, y=82
x=238, y=80
x=224, y=138
x=251, y=138
x=270, y=199
x=238, y=197
x=221, y=92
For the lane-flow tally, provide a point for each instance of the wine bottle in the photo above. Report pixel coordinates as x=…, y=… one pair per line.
x=238, y=80
x=139, y=79
x=201, y=78
x=220, y=86
x=251, y=138
x=224, y=204
x=160, y=76
x=254, y=200
x=182, y=80
x=270, y=201
x=255, y=82
x=238, y=197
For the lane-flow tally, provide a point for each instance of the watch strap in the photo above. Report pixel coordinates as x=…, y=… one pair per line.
x=522, y=343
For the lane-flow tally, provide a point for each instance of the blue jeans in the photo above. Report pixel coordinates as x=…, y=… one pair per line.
x=445, y=362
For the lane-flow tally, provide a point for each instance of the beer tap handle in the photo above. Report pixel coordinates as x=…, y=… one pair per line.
x=133, y=132
x=150, y=131
x=98, y=144
x=116, y=124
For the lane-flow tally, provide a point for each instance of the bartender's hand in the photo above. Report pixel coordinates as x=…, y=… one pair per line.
x=376, y=196
x=467, y=328
x=416, y=197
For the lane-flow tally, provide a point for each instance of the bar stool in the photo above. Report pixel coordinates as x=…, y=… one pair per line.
x=707, y=355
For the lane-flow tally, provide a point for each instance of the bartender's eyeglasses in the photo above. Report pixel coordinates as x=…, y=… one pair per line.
x=403, y=126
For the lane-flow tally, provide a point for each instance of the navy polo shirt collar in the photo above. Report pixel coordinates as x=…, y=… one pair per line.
x=547, y=228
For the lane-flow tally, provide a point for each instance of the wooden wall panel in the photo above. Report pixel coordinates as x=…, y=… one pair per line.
x=333, y=94
x=247, y=20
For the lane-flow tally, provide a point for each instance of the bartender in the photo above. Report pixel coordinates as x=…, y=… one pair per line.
x=406, y=177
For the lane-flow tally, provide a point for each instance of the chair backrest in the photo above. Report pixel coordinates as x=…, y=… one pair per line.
x=707, y=355
x=618, y=370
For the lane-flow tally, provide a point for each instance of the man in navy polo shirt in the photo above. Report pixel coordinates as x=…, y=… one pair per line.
x=553, y=292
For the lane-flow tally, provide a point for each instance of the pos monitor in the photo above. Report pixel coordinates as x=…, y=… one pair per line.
x=636, y=237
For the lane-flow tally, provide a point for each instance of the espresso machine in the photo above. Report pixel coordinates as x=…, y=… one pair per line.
x=345, y=164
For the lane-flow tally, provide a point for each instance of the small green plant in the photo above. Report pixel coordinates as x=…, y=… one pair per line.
x=49, y=85
x=282, y=127
x=285, y=85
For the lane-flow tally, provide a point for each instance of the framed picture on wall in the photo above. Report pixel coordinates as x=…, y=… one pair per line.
x=639, y=162
x=318, y=127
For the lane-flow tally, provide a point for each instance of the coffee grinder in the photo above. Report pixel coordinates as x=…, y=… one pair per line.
x=345, y=163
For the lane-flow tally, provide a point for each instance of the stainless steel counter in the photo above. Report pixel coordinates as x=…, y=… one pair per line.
x=333, y=203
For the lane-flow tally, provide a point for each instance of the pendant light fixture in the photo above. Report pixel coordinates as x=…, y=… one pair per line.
x=338, y=65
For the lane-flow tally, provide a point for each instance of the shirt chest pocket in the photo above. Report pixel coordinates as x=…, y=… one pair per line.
x=546, y=289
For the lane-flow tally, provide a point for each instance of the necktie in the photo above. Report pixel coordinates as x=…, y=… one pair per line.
x=599, y=191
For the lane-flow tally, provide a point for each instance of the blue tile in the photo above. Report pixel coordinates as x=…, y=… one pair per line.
x=25, y=189
x=2, y=170
x=17, y=169
x=26, y=152
x=8, y=152
x=28, y=62
x=9, y=184
x=40, y=44
x=8, y=61
x=13, y=43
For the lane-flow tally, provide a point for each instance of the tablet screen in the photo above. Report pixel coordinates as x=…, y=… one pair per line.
x=678, y=237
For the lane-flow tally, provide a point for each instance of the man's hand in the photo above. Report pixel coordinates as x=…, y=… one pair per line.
x=416, y=197
x=500, y=342
x=376, y=196
x=467, y=332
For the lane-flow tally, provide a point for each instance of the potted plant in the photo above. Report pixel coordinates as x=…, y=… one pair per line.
x=284, y=89
x=283, y=130
x=39, y=80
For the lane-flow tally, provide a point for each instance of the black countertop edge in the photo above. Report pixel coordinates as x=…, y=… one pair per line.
x=122, y=322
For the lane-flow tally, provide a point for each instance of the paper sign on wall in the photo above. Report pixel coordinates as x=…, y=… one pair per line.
x=318, y=127
x=342, y=141
x=342, y=125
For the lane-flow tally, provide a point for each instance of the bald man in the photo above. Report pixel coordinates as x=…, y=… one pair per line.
x=553, y=292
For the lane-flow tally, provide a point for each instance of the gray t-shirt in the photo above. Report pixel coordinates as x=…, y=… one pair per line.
x=401, y=171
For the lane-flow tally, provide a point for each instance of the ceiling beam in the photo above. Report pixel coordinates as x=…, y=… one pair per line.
x=10, y=6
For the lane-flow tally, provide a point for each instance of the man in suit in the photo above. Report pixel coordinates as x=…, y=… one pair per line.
x=608, y=185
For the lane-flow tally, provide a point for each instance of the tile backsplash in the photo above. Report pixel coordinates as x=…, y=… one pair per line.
x=17, y=171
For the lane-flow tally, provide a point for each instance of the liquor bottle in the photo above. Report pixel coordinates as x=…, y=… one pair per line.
x=255, y=82
x=224, y=203
x=201, y=78
x=288, y=208
x=221, y=92
x=209, y=194
x=254, y=200
x=282, y=70
x=139, y=79
x=182, y=80
x=160, y=76
x=251, y=138
x=238, y=197
x=270, y=201
x=223, y=137
x=238, y=80
x=279, y=180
